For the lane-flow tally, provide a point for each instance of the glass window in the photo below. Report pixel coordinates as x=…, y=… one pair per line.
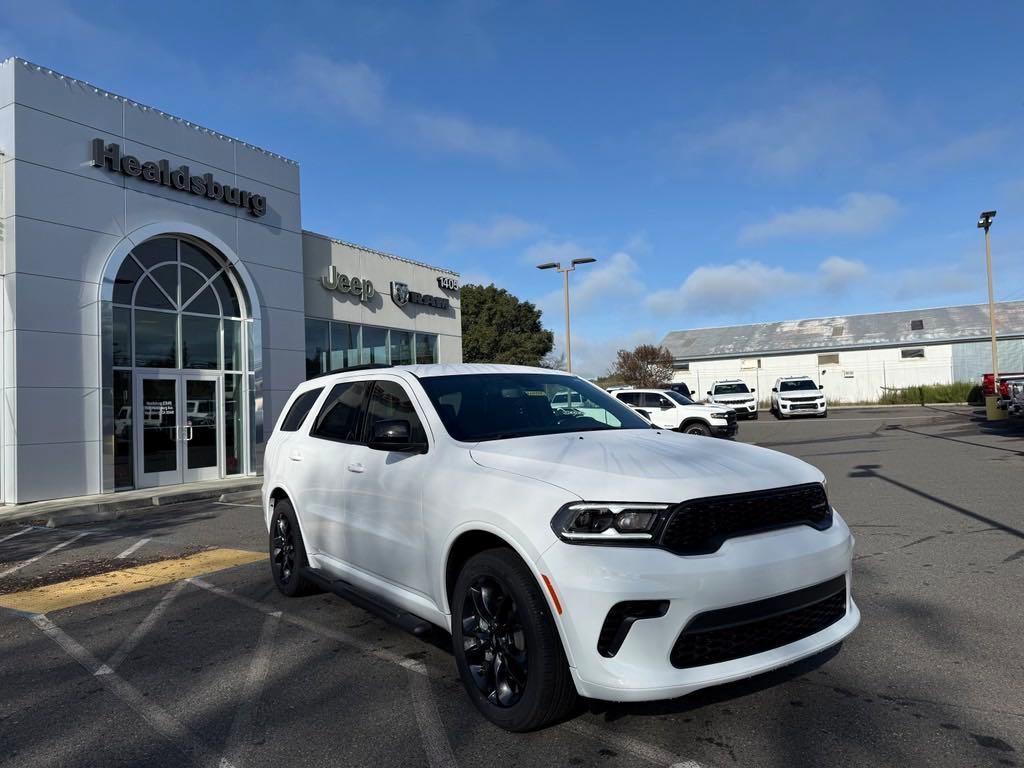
x=148, y=295
x=501, y=406
x=341, y=416
x=390, y=402
x=191, y=282
x=228, y=297
x=122, y=336
x=199, y=337
x=401, y=348
x=832, y=358
x=123, y=456
x=153, y=252
x=205, y=303
x=679, y=397
x=167, y=278
x=344, y=346
x=654, y=400
x=156, y=337
x=426, y=348
x=910, y=354
x=233, y=345
x=732, y=389
x=630, y=398
x=375, y=345
x=234, y=409
x=796, y=386
x=124, y=283
x=317, y=344
x=297, y=413
x=200, y=259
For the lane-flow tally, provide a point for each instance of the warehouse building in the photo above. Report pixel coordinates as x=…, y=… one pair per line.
x=855, y=357
x=162, y=300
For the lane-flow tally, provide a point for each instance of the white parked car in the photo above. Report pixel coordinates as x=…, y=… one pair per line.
x=567, y=553
x=736, y=395
x=671, y=410
x=798, y=395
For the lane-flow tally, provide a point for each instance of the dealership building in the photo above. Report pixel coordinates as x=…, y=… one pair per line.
x=161, y=298
x=856, y=358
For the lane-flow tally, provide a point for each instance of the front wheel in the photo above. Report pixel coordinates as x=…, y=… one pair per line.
x=287, y=552
x=507, y=648
x=697, y=428
x=754, y=415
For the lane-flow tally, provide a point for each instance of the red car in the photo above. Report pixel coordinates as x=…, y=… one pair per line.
x=1004, y=391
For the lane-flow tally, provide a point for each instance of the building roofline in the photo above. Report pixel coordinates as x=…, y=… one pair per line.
x=147, y=107
x=840, y=317
x=379, y=253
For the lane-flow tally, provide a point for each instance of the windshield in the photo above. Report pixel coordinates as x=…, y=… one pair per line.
x=681, y=399
x=493, y=406
x=732, y=389
x=797, y=386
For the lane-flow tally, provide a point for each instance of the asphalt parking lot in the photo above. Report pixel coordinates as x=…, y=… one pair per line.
x=192, y=657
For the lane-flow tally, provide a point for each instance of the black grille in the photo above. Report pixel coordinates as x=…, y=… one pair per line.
x=699, y=526
x=745, y=630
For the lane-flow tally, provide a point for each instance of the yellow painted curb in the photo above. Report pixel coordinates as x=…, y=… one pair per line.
x=88, y=589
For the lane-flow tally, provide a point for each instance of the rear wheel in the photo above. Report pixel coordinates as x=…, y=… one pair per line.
x=287, y=552
x=507, y=648
x=696, y=428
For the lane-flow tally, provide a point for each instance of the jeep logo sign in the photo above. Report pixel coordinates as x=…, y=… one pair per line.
x=335, y=281
x=109, y=156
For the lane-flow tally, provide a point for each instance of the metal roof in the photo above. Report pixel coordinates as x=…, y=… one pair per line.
x=884, y=329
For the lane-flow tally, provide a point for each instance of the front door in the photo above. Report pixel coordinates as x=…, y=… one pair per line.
x=177, y=428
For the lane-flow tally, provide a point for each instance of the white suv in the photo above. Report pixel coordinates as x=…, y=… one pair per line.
x=671, y=410
x=566, y=552
x=795, y=395
x=736, y=395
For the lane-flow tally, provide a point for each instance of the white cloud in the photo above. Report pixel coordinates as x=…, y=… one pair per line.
x=558, y=251
x=970, y=146
x=612, y=277
x=596, y=357
x=356, y=90
x=496, y=232
x=837, y=273
x=813, y=127
x=725, y=289
x=857, y=213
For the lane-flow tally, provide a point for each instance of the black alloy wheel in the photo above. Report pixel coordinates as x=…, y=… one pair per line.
x=494, y=642
x=696, y=428
x=287, y=552
x=506, y=644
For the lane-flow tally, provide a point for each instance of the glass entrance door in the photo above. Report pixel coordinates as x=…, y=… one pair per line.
x=178, y=434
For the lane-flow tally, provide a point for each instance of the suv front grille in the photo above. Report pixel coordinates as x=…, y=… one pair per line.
x=751, y=628
x=700, y=526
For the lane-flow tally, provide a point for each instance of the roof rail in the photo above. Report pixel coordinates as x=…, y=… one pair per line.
x=363, y=367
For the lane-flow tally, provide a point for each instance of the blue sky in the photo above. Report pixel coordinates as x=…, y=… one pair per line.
x=725, y=163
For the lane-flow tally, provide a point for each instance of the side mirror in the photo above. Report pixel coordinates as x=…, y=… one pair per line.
x=709, y=393
x=752, y=390
x=394, y=435
x=821, y=386
x=775, y=389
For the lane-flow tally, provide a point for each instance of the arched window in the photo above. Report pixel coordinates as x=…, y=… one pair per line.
x=179, y=306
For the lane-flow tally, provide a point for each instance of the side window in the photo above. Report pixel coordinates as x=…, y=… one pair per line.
x=342, y=414
x=297, y=413
x=629, y=398
x=654, y=400
x=390, y=401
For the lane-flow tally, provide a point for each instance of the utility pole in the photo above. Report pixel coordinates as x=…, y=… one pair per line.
x=565, y=270
x=985, y=222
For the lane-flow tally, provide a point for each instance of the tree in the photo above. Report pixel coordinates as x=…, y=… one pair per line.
x=499, y=328
x=645, y=366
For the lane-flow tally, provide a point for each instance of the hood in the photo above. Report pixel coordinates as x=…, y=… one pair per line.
x=700, y=409
x=734, y=398
x=643, y=465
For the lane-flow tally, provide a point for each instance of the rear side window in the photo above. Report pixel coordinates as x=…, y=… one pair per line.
x=342, y=414
x=297, y=413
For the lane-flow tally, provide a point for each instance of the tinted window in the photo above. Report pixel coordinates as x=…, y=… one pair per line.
x=796, y=386
x=297, y=413
x=731, y=389
x=496, y=406
x=341, y=416
x=654, y=400
x=390, y=401
x=681, y=399
x=632, y=398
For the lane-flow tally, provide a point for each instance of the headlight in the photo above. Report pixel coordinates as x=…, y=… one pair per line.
x=717, y=416
x=585, y=522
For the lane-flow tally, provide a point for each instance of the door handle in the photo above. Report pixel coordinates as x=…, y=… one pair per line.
x=189, y=433
x=295, y=456
x=356, y=467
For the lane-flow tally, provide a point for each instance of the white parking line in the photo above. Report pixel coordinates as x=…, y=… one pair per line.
x=130, y=642
x=163, y=722
x=435, y=740
x=240, y=737
x=239, y=504
x=132, y=548
x=26, y=529
x=41, y=555
x=433, y=730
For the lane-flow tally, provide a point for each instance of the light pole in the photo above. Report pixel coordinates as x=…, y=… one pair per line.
x=565, y=273
x=985, y=222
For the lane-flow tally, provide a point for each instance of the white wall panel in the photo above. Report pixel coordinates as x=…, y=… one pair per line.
x=66, y=198
x=54, y=415
x=63, y=96
x=54, y=470
x=53, y=304
x=167, y=135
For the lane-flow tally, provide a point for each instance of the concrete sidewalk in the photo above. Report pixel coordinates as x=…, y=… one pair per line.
x=110, y=506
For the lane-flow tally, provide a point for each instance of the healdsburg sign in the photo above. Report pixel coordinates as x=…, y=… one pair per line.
x=160, y=172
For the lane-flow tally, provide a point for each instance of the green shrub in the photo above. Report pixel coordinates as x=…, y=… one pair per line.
x=957, y=392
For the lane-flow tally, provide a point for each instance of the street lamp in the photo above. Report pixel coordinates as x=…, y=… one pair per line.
x=985, y=222
x=565, y=272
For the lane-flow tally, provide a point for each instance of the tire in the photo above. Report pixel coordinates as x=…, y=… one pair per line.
x=287, y=552
x=696, y=428
x=535, y=687
x=824, y=415
x=754, y=415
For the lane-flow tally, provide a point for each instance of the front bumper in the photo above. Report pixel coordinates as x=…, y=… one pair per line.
x=811, y=408
x=591, y=579
x=724, y=430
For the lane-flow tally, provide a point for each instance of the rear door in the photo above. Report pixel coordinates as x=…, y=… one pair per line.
x=383, y=509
